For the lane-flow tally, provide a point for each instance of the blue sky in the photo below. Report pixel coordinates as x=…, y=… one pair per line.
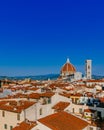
x=36, y=37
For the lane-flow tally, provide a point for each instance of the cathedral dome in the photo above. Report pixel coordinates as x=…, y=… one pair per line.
x=67, y=69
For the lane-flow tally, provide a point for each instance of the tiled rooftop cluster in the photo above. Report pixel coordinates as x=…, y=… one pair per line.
x=56, y=104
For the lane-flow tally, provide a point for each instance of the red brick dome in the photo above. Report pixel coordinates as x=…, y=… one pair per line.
x=68, y=68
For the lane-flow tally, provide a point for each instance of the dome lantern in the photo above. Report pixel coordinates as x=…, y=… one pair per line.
x=68, y=61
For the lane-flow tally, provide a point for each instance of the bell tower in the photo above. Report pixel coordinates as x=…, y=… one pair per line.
x=88, y=69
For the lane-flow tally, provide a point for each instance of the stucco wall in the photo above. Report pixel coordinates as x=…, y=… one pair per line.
x=10, y=119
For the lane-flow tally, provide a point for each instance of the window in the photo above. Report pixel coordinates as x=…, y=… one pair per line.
x=40, y=111
x=80, y=110
x=42, y=89
x=49, y=100
x=44, y=101
x=83, y=99
x=91, y=114
x=11, y=127
x=73, y=110
x=5, y=126
x=3, y=113
x=18, y=116
x=91, y=128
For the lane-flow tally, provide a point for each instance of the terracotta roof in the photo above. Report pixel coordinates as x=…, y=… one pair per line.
x=89, y=94
x=61, y=106
x=77, y=95
x=33, y=88
x=65, y=94
x=95, y=80
x=15, y=106
x=63, y=121
x=18, y=95
x=47, y=94
x=68, y=67
x=38, y=95
x=69, y=95
x=3, y=102
x=89, y=110
x=34, y=95
x=102, y=99
x=25, y=126
x=30, y=88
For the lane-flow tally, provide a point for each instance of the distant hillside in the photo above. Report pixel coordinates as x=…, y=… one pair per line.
x=37, y=77
x=97, y=77
x=41, y=77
